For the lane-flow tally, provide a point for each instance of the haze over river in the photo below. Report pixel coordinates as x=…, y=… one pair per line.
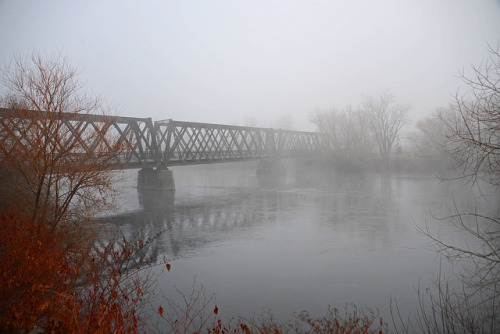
x=319, y=240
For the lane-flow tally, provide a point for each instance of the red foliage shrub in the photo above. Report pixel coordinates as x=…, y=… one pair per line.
x=35, y=277
x=46, y=285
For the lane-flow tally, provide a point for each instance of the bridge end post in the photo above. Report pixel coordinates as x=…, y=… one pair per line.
x=156, y=179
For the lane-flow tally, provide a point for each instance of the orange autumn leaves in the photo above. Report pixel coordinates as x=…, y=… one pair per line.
x=34, y=277
x=44, y=285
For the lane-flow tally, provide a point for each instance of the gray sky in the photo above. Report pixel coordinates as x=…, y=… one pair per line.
x=227, y=61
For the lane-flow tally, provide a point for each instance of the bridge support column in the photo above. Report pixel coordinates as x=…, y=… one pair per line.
x=271, y=172
x=157, y=179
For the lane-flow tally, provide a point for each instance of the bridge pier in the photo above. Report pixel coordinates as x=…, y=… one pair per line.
x=271, y=172
x=156, y=179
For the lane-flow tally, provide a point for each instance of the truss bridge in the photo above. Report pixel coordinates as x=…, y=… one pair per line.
x=168, y=142
x=142, y=143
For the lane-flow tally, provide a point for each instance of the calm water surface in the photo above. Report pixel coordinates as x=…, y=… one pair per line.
x=320, y=240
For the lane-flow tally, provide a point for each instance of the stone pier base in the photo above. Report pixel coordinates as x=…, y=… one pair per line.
x=155, y=179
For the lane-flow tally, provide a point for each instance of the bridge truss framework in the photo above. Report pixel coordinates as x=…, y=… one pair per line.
x=162, y=143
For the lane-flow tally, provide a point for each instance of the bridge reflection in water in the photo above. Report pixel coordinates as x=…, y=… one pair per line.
x=187, y=227
x=216, y=211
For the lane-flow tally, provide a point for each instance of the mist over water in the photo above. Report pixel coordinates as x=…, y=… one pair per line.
x=322, y=239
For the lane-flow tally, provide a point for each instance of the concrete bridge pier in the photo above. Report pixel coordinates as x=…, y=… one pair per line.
x=271, y=172
x=156, y=179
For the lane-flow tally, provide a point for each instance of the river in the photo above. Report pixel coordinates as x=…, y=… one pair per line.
x=322, y=239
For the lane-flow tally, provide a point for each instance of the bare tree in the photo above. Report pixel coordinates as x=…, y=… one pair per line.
x=55, y=155
x=386, y=120
x=431, y=136
x=473, y=140
x=347, y=130
x=355, y=131
x=326, y=122
x=54, y=164
x=474, y=136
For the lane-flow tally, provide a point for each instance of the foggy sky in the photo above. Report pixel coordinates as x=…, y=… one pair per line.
x=231, y=61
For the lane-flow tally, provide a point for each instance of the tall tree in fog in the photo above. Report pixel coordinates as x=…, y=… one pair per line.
x=325, y=122
x=354, y=129
x=347, y=131
x=386, y=119
x=431, y=137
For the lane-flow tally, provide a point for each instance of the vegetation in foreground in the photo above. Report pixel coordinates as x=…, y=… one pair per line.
x=55, y=277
